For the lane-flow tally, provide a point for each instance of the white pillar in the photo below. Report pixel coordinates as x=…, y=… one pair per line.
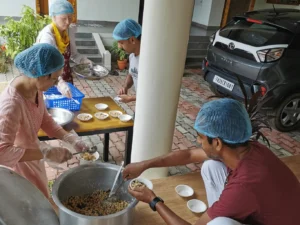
x=165, y=35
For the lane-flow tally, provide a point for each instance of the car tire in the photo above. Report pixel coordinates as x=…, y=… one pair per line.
x=287, y=116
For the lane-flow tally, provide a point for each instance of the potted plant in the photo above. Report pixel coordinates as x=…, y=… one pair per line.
x=20, y=35
x=121, y=55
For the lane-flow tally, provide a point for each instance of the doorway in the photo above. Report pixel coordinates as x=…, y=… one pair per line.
x=42, y=8
x=236, y=7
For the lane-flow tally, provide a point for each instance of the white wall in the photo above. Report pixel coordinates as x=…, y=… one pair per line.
x=107, y=10
x=261, y=4
x=208, y=12
x=202, y=10
x=216, y=14
x=14, y=7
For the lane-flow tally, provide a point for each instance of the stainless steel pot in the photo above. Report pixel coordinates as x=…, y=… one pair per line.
x=86, y=179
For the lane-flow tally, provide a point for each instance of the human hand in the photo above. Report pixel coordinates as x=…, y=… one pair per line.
x=55, y=154
x=123, y=91
x=76, y=142
x=143, y=194
x=133, y=170
x=64, y=88
x=87, y=61
x=125, y=98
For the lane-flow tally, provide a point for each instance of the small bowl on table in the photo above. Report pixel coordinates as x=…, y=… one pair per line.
x=84, y=117
x=101, y=115
x=125, y=117
x=196, y=206
x=184, y=190
x=115, y=113
x=101, y=106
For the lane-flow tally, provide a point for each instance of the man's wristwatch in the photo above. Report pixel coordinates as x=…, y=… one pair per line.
x=153, y=203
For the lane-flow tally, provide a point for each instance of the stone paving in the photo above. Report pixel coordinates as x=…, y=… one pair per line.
x=194, y=92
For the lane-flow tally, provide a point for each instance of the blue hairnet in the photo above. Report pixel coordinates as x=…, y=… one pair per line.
x=126, y=29
x=61, y=7
x=39, y=60
x=226, y=119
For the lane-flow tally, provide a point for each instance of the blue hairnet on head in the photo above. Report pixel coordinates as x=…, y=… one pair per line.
x=226, y=119
x=61, y=7
x=126, y=29
x=39, y=60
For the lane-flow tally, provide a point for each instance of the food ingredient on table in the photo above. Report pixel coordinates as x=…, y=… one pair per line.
x=88, y=157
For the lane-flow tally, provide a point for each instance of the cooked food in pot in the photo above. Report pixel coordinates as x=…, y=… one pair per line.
x=88, y=157
x=91, y=205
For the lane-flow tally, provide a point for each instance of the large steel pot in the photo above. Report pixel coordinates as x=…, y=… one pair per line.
x=86, y=179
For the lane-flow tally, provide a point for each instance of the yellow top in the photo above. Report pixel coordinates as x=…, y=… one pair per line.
x=88, y=106
x=61, y=42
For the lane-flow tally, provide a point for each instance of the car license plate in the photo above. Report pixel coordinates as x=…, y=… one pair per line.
x=223, y=83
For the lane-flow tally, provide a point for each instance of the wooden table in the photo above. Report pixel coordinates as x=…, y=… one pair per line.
x=96, y=126
x=165, y=188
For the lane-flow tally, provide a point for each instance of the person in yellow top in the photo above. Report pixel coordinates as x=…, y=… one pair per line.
x=57, y=35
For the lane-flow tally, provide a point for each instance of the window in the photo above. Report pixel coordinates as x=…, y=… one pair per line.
x=255, y=34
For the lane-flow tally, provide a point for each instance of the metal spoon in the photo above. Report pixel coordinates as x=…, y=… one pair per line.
x=77, y=102
x=92, y=150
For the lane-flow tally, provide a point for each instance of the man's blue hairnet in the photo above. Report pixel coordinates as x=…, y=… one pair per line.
x=39, y=60
x=61, y=7
x=126, y=29
x=226, y=119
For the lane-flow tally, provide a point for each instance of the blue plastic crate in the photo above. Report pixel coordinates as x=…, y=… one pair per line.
x=64, y=102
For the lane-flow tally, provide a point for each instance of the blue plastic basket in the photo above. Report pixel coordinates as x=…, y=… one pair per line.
x=64, y=102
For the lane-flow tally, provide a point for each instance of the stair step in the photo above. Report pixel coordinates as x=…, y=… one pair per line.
x=83, y=35
x=195, y=58
x=196, y=52
x=190, y=65
x=85, y=42
x=88, y=49
x=198, y=45
x=96, y=58
x=199, y=38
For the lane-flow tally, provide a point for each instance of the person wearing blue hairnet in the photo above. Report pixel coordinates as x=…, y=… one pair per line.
x=57, y=35
x=128, y=34
x=244, y=181
x=23, y=114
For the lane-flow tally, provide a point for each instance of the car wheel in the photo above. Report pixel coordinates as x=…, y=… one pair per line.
x=287, y=115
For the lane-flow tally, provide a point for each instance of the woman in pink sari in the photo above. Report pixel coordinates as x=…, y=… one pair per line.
x=23, y=114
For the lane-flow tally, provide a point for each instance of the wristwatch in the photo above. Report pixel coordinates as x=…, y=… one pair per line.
x=153, y=203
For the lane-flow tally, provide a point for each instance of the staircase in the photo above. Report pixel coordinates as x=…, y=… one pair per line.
x=197, y=50
x=86, y=45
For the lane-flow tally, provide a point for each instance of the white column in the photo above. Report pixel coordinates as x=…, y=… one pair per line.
x=165, y=36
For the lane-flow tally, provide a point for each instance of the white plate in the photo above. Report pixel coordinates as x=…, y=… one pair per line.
x=184, y=190
x=84, y=117
x=223, y=83
x=101, y=106
x=125, y=117
x=101, y=115
x=147, y=182
x=115, y=113
x=83, y=161
x=196, y=206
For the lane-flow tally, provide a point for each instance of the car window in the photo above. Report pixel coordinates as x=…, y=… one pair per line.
x=256, y=34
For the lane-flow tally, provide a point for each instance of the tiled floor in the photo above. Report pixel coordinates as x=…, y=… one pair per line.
x=194, y=92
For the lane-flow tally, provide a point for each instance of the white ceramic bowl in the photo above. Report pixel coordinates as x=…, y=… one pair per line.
x=184, y=190
x=115, y=113
x=101, y=115
x=147, y=182
x=83, y=161
x=125, y=117
x=117, y=99
x=101, y=106
x=84, y=117
x=196, y=206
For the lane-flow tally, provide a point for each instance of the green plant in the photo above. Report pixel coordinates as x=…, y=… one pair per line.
x=20, y=35
x=119, y=52
x=3, y=64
